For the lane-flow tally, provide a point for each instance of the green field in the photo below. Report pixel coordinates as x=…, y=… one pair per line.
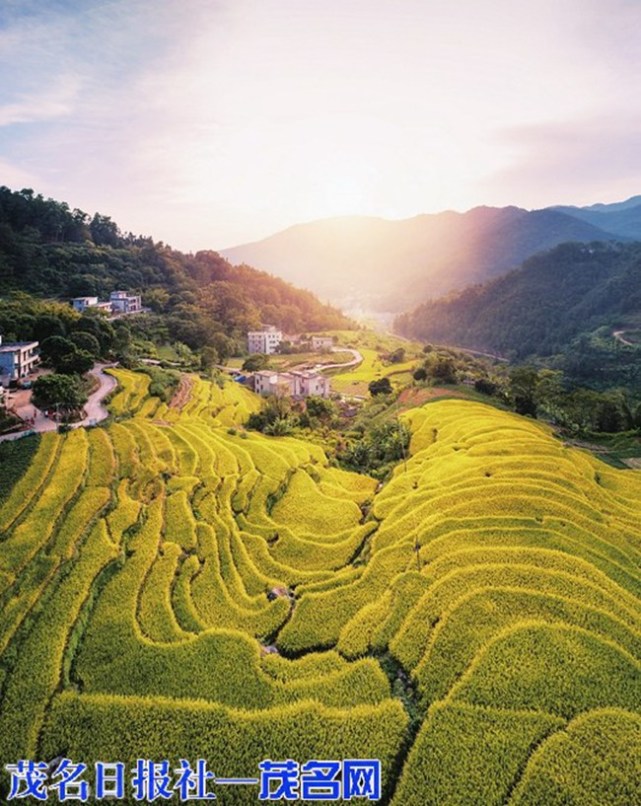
x=475, y=623
x=374, y=347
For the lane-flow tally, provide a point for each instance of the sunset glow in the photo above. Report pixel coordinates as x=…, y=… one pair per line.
x=212, y=123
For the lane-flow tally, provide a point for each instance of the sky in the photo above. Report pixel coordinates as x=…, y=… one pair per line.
x=210, y=123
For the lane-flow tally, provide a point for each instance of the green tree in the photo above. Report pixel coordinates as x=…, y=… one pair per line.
x=208, y=358
x=64, y=391
x=523, y=386
x=444, y=371
x=320, y=407
x=255, y=362
x=55, y=348
x=398, y=356
x=485, y=386
x=87, y=342
x=380, y=387
x=75, y=363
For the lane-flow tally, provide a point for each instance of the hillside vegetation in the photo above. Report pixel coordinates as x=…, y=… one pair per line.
x=568, y=300
x=475, y=623
x=48, y=250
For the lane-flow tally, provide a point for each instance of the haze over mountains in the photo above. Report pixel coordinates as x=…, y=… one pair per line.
x=379, y=264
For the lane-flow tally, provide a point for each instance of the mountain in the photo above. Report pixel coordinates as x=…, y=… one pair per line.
x=620, y=218
x=49, y=250
x=553, y=300
x=388, y=265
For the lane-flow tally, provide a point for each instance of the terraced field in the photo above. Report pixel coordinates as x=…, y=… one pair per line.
x=174, y=587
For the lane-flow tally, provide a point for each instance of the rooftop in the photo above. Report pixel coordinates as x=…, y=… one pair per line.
x=10, y=346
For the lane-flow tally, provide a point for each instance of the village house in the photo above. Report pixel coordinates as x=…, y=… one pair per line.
x=17, y=360
x=123, y=302
x=291, y=384
x=264, y=341
x=322, y=343
x=120, y=302
x=81, y=304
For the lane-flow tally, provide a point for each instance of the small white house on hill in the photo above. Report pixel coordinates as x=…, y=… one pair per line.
x=322, y=343
x=291, y=384
x=265, y=340
x=81, y=304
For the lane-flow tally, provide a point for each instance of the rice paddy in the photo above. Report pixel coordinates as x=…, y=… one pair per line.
x=174, y=587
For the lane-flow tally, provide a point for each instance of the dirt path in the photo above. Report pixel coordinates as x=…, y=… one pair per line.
x=618, y=335
x=38, y=423
x=94, y=409
x=356, y=359
x=182, y=394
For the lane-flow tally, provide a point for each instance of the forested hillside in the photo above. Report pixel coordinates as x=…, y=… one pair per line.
x=49, y=250
x=572, y=295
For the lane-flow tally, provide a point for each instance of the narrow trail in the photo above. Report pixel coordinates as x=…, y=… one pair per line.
x=356, y=359
x=618, y=335
x=94, y=409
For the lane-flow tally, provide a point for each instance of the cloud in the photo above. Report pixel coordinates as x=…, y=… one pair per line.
x=218, y=120
x=44, y=105
x=580, y=161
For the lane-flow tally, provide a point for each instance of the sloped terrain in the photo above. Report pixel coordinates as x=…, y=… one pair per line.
x=379, y=264
x=475, y=623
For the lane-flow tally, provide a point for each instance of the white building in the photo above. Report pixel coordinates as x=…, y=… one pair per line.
x=291, y=384
x=267, y=382
x=123, y=302
x=17, y=360
x=81, y=304
x=322, y=343
x=264, y=341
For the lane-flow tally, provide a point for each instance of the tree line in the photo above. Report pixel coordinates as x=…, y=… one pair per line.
x=561, y=305
x=50, y=250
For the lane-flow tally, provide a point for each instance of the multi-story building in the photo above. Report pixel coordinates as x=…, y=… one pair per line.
x=17, y=359
x=119, y=302
x=292, y=384
x=123, y=302
x=264, y=341
x=312, y=383
x=267, y=382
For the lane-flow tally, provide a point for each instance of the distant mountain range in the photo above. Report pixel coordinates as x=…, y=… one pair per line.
x=374, y=263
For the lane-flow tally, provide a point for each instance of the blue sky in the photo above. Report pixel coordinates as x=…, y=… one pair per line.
x=206, y=123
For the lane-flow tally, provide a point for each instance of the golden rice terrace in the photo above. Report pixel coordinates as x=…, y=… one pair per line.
x=174, y=587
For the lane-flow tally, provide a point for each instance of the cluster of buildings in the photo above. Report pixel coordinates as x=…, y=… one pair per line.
x=17, y=360
x=267, y=339
x=120, y=302
x=294, y=383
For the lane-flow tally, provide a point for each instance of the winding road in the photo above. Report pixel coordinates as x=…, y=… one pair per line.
x=618, y=335
x=356, y=359
x=94, y=409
